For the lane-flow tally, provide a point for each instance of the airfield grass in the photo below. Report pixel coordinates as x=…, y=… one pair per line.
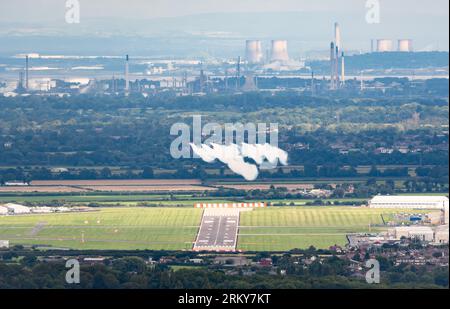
x=171, y=228
x=113, y=228
x=285, y=228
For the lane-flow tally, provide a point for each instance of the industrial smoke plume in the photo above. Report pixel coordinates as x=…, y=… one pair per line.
x=233, y=156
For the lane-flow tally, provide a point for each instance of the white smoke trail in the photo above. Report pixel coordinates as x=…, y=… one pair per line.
x=233, y=156
x=259, y=153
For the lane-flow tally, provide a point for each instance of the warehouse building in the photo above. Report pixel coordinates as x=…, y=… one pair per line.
x=437, y=235
x=422, y=233
x=441, y=234
x=445, y=215
x=409, y=202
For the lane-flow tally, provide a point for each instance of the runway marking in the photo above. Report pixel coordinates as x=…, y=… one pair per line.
x=218, y=230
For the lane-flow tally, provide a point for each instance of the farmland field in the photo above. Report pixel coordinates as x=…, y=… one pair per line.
x=118, y=182
x=270, y=229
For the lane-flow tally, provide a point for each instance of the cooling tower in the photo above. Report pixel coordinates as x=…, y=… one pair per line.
x=279, y=51
x=384, y=45
x=405, y=45
x=253, y=51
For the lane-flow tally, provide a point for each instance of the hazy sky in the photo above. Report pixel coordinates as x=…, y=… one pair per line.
x=47, y=10
x=307, y=24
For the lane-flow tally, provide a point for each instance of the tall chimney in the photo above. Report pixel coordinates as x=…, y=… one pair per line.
x=26, y=72
x=20, y=86
x=238, y=73
x=337, y=35
x=332, y=73
x=127, y=80
x=342, y=69
x=336, y=65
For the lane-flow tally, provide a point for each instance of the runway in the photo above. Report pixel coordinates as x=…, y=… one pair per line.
x=218, y=230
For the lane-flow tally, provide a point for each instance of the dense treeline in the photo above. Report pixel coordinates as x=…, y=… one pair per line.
x=132, y=272
x=434, y=175
x=88, y=131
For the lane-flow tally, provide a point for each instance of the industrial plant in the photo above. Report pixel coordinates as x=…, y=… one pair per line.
x=267, y=65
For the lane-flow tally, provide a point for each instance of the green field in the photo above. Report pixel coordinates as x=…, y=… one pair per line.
x=170, y=228
x=285, y=228
x=115, y=228
x=147, y=199
x=90, y=198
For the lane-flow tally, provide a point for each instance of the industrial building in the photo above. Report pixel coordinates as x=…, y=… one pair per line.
x=441, y=234
x=445, y=214
x=438, y=235
x=422, y=233
x=409, y=202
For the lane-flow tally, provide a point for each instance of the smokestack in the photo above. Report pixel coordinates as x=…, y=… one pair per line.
x=361, y=86
x=226, y=79
x=384, y=45
x=405, y=45
x=336, y=64
x=238, y=73
x=342, y=69
x=337, y=35
x=371, y=46
x=20, y=86
x=26, y=72
x=249, y=84
x=279, y=51
x=332, y=74
x=127, y=80
x=253, y=51
x=202, y=80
